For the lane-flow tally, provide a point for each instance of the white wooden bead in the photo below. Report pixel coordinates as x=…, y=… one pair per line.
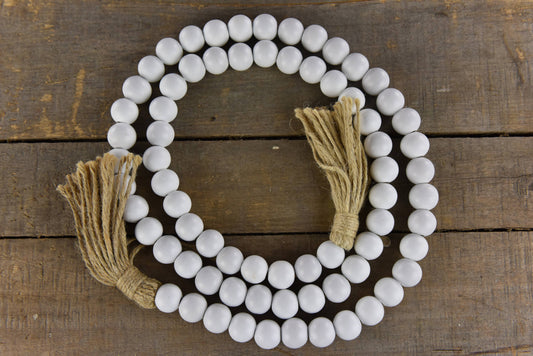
x=136, y=208
x=160, y=133
x=290, y=31
x=124, y=110
x=335, y=50
x=390, y=101
x=312, y=69
x=382, y=196
x=265, y=53
x=330, y=255
x=208, y=280
x=368, y=245
x=151, y=68
x=177, y=203
x=173, y=86
x=242, y=327
x=414, y=247
x=423, y=196
x=347, y=325
x=137, y=89
x=369, y=310
x=167, y=298
x=370, y=121
x=240, y=57
x=406, y=121
x=314, y=37
x=189, y=226
x=187, y=264
x=169, y=51
x=281, y=275
x=209, y=243
x=165, y=181
x=333, y=83
x=294, y=333
x=232, y=291
x=118, y=153
x=229, y=260
x=384, y=169
x=311, y=299
x=265, y=27
x=217, y=318
x=254, y=269
x=336, y=288
x=285, y=304
x=259, y=299
x=267, y=334
x=375, y=81
x=307, y=268
x=148, y=230
x=192, y=307
x=191, y=38
x=422, y=222
x=356, y=269
x=156, y=158
x=378, y=144
x=163, y=109
x=388, y=291
x=215, y=33
x=355, y=66
x=192, y=68
x=121, y=135
x=215, y=60
x=407, y=272
x=166, y=249
x=355, y=93
x=380, y=222
x=415, y=144
x=289, y=60
x=420, y=170
x=240, y=28
x=321, y=332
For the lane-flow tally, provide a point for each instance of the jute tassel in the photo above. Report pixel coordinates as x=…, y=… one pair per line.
x=97, y=198
x=337, y=148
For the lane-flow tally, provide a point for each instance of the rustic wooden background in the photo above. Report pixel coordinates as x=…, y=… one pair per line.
x=466, y=66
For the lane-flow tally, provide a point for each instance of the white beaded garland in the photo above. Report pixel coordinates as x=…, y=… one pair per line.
x=407, y=272
x=369, y=310
x=173, y=86
x=217, y=318
x=258, y=299
x=265, y=53
x=384, y=169
x=137, y=89
x=229, y=260
x=267, y=334
x=187, y=264
x=284, y=304
x=380, y=221
x=164, y=182
x=312, y=69
x=148, y=230
x=192, y=307
x=311, y=299
x=240, y=57
x=414, y=247
x=415, y=144
x=281, y=275
x=356, y=268
x=121, y=135
x=232, y=292
x=124, y=110
x=290, y=31
x=368, y=245
x=209, y=243
x=347, y=325
x=375, y=81
x=382, y=196
x=189, y=226
x=265, y=27
x=151, y=68
x=136, y=208
x=163, y=109
x=294, y=333
x=215, y=33
x=307, y=268
x=191, y=38
x=242, y=327
x=314, y=37
x=333, y=83
x=378, y=144
x=208, y=280
x=321, y=332
x=167, y=298
x=335, y=50
x=240, y=28
x=254, y=269
x=166, y=249
x=422, y=222
x=177, y=203
x=388, y=291
x=354, y=66
x=169, y=51
x=370, y=121
x=289, y=60
x=420, y=170
x=336, y=288
x=192, y=68
x=330, y=255
x=423, y=196
x=215, y=60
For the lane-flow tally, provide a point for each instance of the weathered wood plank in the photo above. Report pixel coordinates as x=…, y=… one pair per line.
x=466, y=66
x=272, y=186
x=467, y=302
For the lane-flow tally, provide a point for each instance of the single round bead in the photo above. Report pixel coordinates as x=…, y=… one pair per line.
x=166, y=249
x=164, y=182
x=369, y=310
x=382, y=196
x=333, y=83
x=124, y=110
x=265, y=53
x=415, y=144
x=389, y=101
x=420, y=170
x=330, y=255
x=267, y=334
x=388, y=291
x=290, y=31
x=163, y=109
x=423, y=196
x=254, y=269
x=375, y=81
x=240, y=57
x=151, y=68
x=208, y=280
x=335, y=50
x=192, y=307
x=378, y=144
x=406, y=121
x=240, y=28
x=259, y=299
x=229, y=260
x=167, y=298
x=380, y=221
x=368, y=245
x=209, y=243
x=285, y=304
x=321, y=332
x=311, y=299
x=216, y=33
x=177, y=203
x=289, y=60
x=173, y=86
x=265, y=27
x=307, y=268
x=215, y=60
x=354, y=66
x=121, y=135
x=354, y=93
x=314, y=37
x=336, y=288
x=187, y=264
x=148, y=230
x=118, y=153
x=160, y=133
x=217, y=318
x=136, y=208
x=281, y=275
x=232, y=291
x=407, y=272
x=189, y=226
x=422, y=222
x=414, y=247
x=312, y=69
x=137, y=89
x=347, y=325
x=356, y=269
x=192, y=68
x=242, y=327
x=384, y=169
x=156, y=158
x=169, y=51
x=370, y=121
x=191, y=38
x=294, y=333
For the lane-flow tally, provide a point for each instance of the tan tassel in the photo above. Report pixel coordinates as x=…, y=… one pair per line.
x=339, y=152
x=97, y=197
